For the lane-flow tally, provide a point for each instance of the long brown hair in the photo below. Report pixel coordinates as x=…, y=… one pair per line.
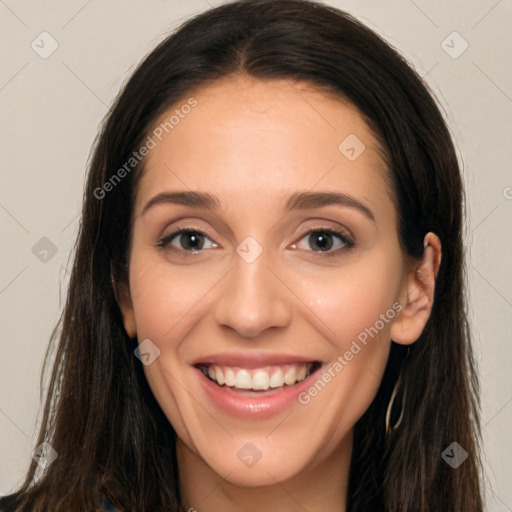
x=100, y=415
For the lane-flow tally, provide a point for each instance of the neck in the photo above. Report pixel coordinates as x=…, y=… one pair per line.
x=322, y=487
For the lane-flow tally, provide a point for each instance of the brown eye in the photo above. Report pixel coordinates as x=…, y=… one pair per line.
x=188, y=240
x=191, y=240
x=324, y=240
x=320, y=241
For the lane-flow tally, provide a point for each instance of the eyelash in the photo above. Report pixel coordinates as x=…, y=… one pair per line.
x=347, y=241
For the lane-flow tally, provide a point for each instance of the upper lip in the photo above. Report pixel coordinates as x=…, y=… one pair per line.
x=252, y=360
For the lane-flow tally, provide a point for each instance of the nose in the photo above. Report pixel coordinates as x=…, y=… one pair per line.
x=252, y=299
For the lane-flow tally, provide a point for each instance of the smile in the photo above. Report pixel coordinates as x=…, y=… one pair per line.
x=252, y=388
x=258, y=379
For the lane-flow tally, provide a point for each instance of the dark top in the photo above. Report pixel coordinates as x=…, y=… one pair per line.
x=108, y=503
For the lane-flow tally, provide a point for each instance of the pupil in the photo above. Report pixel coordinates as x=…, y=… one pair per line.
x=322, y=240
x=191, y=240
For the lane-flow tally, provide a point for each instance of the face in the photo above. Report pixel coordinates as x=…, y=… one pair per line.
x=266, y=273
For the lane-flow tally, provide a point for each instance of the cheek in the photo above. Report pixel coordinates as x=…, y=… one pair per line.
x=354, y=307
x=163, y=298
x=168, y=301
x=355, y=299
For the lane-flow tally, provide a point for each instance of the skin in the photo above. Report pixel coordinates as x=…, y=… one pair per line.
x=252, y=144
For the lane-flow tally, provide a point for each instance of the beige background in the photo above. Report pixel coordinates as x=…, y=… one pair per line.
x=50, y=110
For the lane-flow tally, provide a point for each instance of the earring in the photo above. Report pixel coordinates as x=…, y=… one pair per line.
x=392, y=428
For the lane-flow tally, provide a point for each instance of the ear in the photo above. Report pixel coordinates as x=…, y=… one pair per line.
x=122, y=295
x=417, y=296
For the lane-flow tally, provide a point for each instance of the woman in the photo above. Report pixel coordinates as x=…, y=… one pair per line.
x=267, y=305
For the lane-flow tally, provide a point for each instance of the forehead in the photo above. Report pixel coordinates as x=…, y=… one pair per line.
x=263, y=139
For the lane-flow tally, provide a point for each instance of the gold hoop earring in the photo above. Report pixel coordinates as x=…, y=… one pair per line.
x=392, y=428
x=389, y=428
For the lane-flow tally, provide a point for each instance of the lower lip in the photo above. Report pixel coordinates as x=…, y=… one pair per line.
x=256, y=406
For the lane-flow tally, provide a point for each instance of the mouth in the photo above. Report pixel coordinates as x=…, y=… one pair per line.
x=254, y=385
x=264, y=380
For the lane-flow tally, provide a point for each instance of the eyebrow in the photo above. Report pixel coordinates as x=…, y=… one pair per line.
x=297, y=201
x=310, y=200
x=195, y=199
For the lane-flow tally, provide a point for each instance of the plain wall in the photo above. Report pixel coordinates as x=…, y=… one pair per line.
x=50, y=111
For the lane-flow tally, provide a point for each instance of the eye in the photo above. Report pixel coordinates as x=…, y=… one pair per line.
x=324, y=240
x=191, y=240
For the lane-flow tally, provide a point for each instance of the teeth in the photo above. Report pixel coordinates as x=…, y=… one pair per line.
x=217, y=375
x=289, y=376
x=301, y=375
x=243, y=380
x=259, y=379
x=229, y=376
x=277, y=379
